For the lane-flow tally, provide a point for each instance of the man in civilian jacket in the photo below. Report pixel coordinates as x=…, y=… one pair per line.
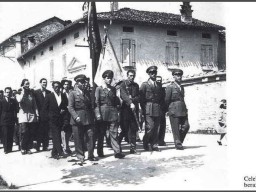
x=8, y=118
x=177, y=109
x=82, y=118
x=56, y=105
x=129, y=92
x=151, y=98
x=66, y=131
x=42, y=132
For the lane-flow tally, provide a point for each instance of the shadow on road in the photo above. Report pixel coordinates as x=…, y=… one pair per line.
x=132, y=170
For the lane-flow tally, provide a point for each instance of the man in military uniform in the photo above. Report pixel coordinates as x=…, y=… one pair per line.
x=151, y=100
x=177, y=110
x=162, y=128
x=129, y=92
x=82, y=118
x=106, y=113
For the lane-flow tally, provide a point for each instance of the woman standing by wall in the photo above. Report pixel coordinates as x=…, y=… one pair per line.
x=28, y=116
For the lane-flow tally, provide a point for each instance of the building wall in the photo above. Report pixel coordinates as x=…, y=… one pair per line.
x=151, y=45
x=150, y=50
x=203, y=101
x=40, y=67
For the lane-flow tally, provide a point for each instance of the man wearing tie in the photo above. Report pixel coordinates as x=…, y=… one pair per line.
x=82, y=118
x=8, y=117
x=177, y=109
x=151, y=98
x=42, y=132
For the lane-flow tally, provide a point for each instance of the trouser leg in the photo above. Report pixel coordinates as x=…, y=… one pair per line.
x=56, y=138
x=132, y=133
x=175, y=123
x=4, y=137
x=113, y=132
x=89, y=140
x=101, y=131
x=162, y=130
x=154, y=132
x=25, y=136
x=78, y=132
x=10, y=133
x=184, y=128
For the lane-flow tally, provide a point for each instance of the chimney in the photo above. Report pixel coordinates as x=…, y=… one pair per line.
x=113, y=6
x=186, y=12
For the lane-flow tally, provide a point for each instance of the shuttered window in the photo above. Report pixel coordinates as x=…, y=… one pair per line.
x=128, y=52
x=172, y=53
x=207, y=55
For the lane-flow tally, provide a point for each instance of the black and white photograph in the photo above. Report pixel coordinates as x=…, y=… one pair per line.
x=126, y=96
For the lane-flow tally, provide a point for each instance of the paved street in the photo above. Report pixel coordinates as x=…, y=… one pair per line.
x=202, y=165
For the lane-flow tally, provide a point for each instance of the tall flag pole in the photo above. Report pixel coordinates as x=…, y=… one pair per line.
x=94, y=39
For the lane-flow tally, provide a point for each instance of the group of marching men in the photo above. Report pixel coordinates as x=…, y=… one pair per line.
x=88, y=114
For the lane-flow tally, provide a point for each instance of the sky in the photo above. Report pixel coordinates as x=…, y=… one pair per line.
x=17, y=16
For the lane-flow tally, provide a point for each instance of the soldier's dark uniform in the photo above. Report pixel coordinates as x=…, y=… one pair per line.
x=151, y=99
x=129, y=92
x=178, y=112
x=107, y=115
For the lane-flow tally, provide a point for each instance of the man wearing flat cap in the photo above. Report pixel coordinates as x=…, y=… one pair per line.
x=177, y=109
x=107, y=114
x=82, y=118
x=151, y=97
x=66, y=131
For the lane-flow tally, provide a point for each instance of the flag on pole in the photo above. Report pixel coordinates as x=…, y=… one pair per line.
x=94, y=39
x=108, y=61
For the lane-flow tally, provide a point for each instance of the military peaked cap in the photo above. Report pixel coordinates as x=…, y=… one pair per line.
x=108, y=73
x=151, y=68
x=81, y=78
x=177, y=71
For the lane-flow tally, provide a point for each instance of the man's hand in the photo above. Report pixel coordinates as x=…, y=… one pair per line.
x=132, y=106
x=78, y=120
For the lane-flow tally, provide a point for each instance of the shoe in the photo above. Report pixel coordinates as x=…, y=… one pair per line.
x=134, y=151
x=179, y=147
x=23, y=152
x=156, y=149
x=119, y=155
x=29, y=152
x=6, y=152
x=93, y=159
x=219, y=142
